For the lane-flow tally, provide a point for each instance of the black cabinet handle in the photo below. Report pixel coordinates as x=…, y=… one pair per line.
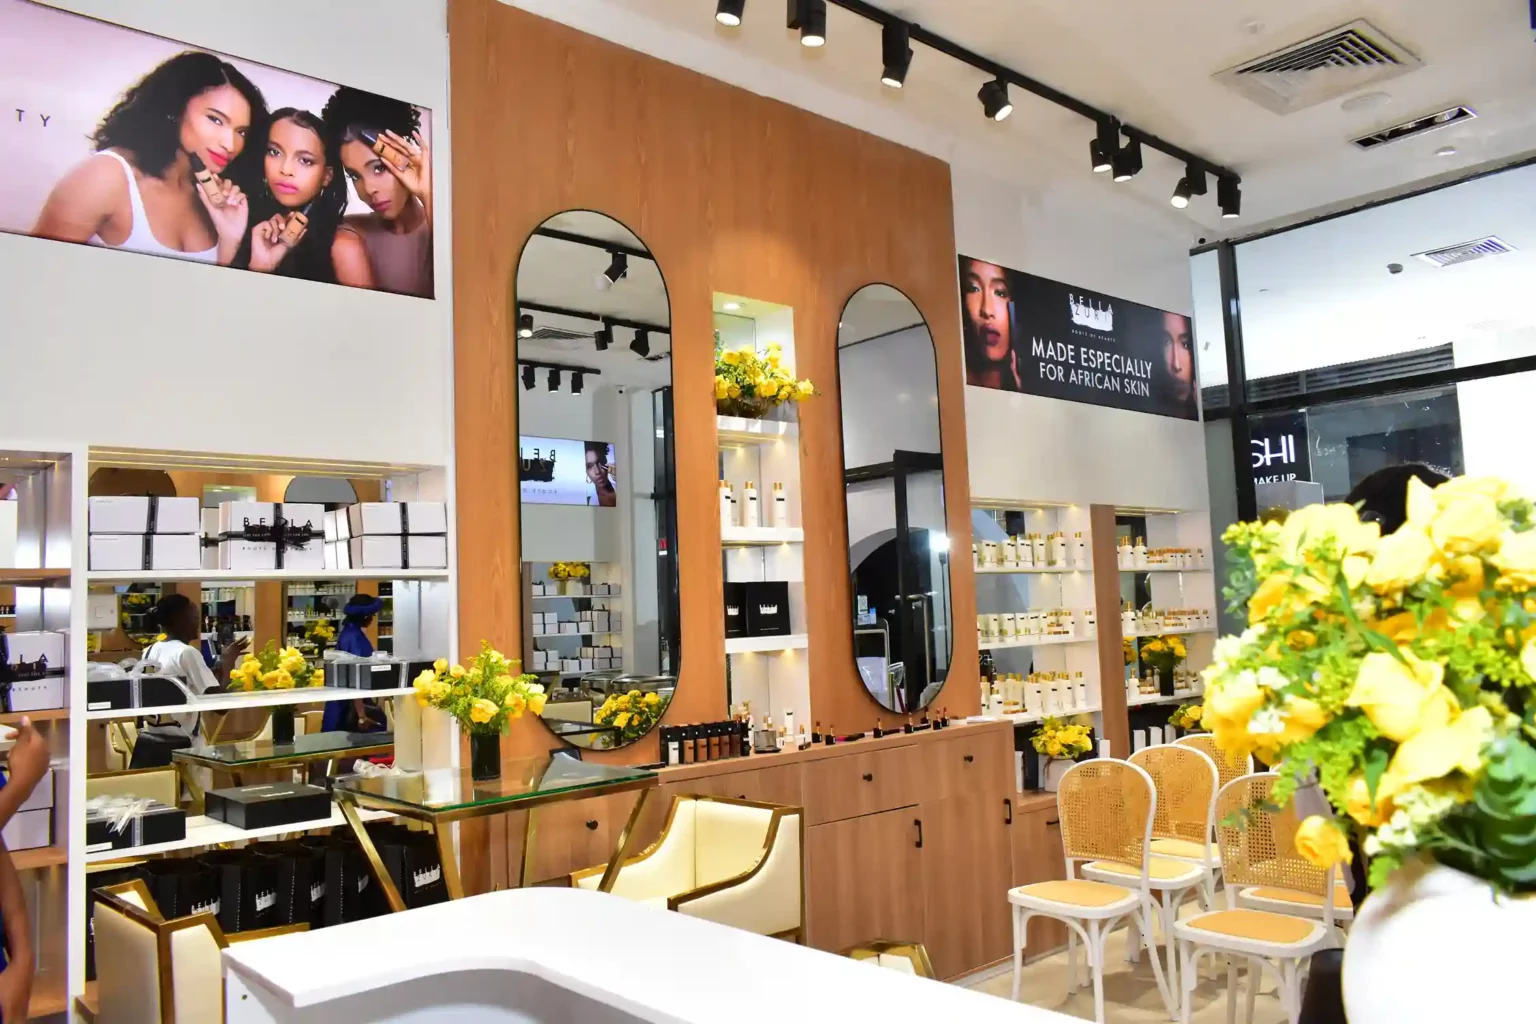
x=869, y=776
x=969, y=758
x=592, y=825
x=1053, y=821
x=1008, y=806
x=919, y=823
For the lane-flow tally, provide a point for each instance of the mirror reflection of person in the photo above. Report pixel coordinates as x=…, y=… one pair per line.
x=359, y=715
x=990, y=358
x=600, y=474
x=1178, y=359
x=138, y=192
x=397, y=234
x=179, y=655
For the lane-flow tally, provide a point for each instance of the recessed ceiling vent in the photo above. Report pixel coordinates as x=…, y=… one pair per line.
x=1466, y=252
x=1321, y=68
x=1418, y=126
x=558, y=334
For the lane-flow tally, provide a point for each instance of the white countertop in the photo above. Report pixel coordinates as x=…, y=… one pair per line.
x=643, y=962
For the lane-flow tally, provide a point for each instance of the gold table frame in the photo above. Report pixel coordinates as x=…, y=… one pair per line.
x=184, y=761
x=350, y=801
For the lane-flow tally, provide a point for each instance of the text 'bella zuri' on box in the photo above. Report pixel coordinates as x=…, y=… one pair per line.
x=266, y=535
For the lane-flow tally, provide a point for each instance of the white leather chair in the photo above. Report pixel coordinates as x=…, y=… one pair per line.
x=735, y=862
x=153, y=971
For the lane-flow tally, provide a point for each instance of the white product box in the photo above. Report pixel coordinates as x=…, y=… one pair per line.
x=234, y=516
x=569, y=628
x=600, y=622
x=29, y=646
x=600, y=590
x=261, y=555
x=131, y=515
x=586, y=664
x=27, y=830
x=603, y=664
x=1138, y=740
x=570, y=665
x=209, y=539
x=41, y=797
x=8, y=532
x=35, y=694
x=101, y=611
x=124, y=552
x=384, y=517
x=384, y=552
x=536, y=588
x=338, y=555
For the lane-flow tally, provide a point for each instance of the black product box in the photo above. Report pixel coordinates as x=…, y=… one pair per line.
x=735, y=609
x=158, y=824
x=248, y=897
x=767, y=609
x=148, y=692
x=364, y=675
x=268, y=805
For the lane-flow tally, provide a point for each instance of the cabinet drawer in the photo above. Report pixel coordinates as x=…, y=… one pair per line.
x=847, y=787
x=966, y=766
x=777, y=785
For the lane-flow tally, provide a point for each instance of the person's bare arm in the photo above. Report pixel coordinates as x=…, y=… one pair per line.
x=16, y=979
x=82, y=201
x=350, y=258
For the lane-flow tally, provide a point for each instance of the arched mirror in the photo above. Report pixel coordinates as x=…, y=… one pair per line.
x=893, y=470
x=601, y=627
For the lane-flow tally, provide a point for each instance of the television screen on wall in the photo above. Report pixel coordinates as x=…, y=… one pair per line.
x=124, y=140
x=560, y=471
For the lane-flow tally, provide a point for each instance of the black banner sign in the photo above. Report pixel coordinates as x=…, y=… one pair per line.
x=1278, y=444
x=1041, y=337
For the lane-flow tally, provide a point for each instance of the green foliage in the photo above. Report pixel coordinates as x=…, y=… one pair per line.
x=1494, y=837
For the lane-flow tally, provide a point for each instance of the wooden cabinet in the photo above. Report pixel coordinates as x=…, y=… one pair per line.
x=966, y=877
x=864, y=880
x=865, y=783
x=1037, y=857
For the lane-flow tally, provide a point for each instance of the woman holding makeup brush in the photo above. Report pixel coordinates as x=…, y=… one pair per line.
x=170, y=160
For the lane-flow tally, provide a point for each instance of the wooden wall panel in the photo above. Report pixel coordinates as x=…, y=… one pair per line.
x=732, y=192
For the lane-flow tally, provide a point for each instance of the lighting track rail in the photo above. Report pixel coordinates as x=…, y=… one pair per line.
x=602, y=318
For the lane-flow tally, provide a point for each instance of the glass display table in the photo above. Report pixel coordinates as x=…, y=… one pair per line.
x=235, y=758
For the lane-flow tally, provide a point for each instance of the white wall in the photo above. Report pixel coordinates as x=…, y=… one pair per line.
x=116, y=348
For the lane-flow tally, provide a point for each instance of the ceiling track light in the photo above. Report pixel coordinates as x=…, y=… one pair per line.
x=895, y=53
x=604, y=337
x=728, y=12
x=525, y=325
x=528, y=378
x=810, y=18
x=1127, y=162
x=1192, y=184
x=1105, y=145
x=617, y=268
x=554, y=380
x=1229, y=196
x=577, y=381
x=641, y=346
x=994, y=99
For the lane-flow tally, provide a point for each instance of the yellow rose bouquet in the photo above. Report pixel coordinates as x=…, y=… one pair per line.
x=749, y=385
x=569, y=571
x=1065, y=740
x=320, y=632
x=274, y=669
x=483, y=697
x=1187, y=717
x=1164, y=653
x=632, y=714
x=1400, y=671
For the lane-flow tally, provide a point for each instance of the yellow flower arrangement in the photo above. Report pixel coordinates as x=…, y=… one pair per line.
x=272, y=668
x=1164, y=653
x=747, y=384
x=483, y=697
x=1061, y=739
x=569, y=571
x=320, y=631
x=1400, y=671
x=632, y=714
x=1186, y=717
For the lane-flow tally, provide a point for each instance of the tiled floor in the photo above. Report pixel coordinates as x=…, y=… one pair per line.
x=1130, y=991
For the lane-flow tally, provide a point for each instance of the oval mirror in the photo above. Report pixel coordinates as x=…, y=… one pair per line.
x=893, y=471
x=601, y=628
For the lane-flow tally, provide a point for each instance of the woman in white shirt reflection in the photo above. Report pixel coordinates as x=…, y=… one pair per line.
x=180, y=655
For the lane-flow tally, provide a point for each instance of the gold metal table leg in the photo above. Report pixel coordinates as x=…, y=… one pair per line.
x=621, y=850
x=444, y=833
x=188, y=778
x=380, y=872
x=530, y=833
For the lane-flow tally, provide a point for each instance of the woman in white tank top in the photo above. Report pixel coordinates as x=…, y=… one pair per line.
x=139, y=192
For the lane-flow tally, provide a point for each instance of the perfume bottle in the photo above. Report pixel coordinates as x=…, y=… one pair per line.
x=727, y=506
x=802, y=741
x=1123, y=553
x=1026, y=551
x=1091, y=623
x=1080, y=690
x=780, y=508
x=752, y=513
x=789, y=726
x=1082, y=550
x=1139, y=553
x=1128, y=620
x=1010, y=554
x=816, y=733
x=1041, y=561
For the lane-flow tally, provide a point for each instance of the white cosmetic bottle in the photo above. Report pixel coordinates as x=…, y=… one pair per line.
x=780, y=508
x=727, y=506
x=753, y=516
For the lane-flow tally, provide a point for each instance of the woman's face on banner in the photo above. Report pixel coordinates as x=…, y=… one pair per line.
x=986, y=308
x=1179, y=355
x=214, y=125
x=295, y=164
x=597, y=472
x=381, y=190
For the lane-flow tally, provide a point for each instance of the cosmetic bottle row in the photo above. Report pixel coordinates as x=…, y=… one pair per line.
x=1043, y=693
x=713, y=741
x=1152, y=620
x=1033, y=551
x=747, y=511
x=1186, y=681
x=1134, y=554
x=1001, y=627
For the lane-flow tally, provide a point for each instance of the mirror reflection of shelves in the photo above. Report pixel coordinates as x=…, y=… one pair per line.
x=574, y=626
x=761, y=529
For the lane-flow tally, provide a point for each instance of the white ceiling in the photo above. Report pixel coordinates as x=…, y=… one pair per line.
x=875, y=310
x=1151, y=64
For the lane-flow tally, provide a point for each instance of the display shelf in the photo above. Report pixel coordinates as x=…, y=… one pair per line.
x=751, y=644
x=1049, y=570
x=1147, y=634
x=39, y=857
x=1162, y=568
x=547, y=636
x=259, y=699
x=1160, y=698
x=206, y=831
x=45, y=715
x=735, y=430
x=48, y=996
x=760, y=536
x=34, y=577
x=574, y=597
x=231, y=577
x=1030, y=717
x=1038, y=641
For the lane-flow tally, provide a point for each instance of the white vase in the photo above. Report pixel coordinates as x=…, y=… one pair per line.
x=1051, y=771
x=1438, y=945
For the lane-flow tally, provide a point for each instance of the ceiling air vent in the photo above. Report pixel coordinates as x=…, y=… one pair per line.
x=558, y=334
x=1466, y=252
x=1418, y=126
x=1322, y=68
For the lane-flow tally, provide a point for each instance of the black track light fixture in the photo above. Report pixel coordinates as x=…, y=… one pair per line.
x=577, y=381
x=641, y=346
x=554, y=380
x=528, y=378
x=994, y=99
x=1192, y=184
x=1104, y=145
x=1127, y=161
x=809, y=17
x=1229, y=196
x=896, y=53
x=525, y=325
x=603, y=337
x=618, y=266
x=728, y=12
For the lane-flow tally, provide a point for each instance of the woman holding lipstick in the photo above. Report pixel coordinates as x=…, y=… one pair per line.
x=297, y=214
x=390, y=166
x=170, y=160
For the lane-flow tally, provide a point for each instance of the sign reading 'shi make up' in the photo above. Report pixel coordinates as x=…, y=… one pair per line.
x=1041, y=337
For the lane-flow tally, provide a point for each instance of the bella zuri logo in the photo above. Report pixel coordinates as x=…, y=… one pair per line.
x=1092, y=315
x=265, y=901
x=427, y=877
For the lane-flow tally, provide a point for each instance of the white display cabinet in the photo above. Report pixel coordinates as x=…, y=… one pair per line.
x=1173, y=589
